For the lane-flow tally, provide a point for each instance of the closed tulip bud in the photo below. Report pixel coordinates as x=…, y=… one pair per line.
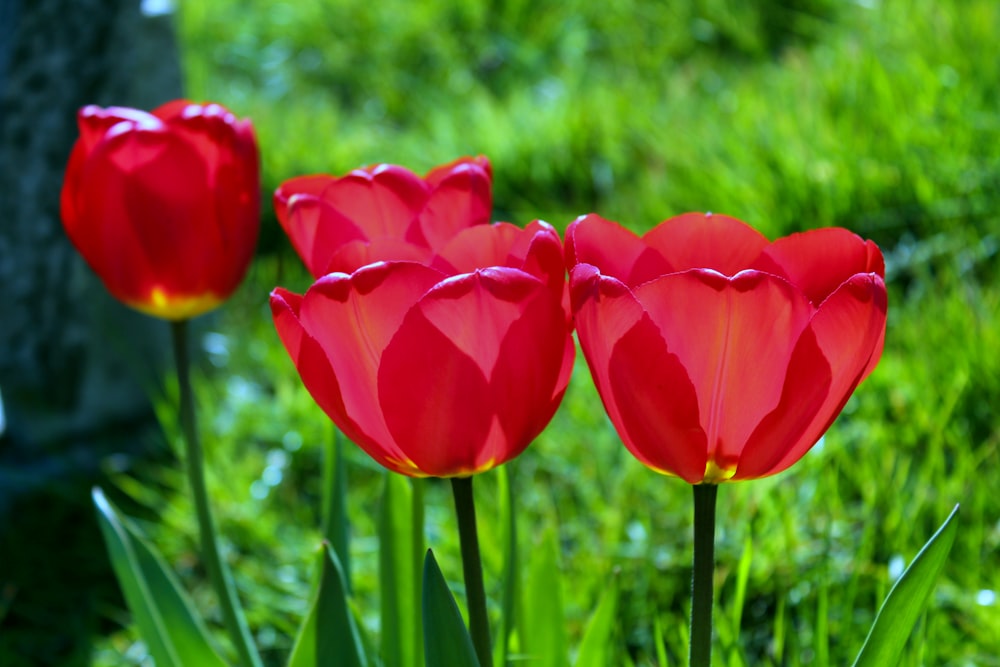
x=164, y=205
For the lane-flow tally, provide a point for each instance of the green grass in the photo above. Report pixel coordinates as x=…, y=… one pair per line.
x=881, y=117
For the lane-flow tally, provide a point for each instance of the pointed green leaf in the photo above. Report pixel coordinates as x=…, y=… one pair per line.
x=164, y=614
x=334, y=504
x=399, y=583
x=544, y=643
x=906, y=600
x=595, y=646
x=446, y=640
x=329, y=636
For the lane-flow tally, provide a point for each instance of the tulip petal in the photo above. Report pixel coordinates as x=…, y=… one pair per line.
x=538, y=251
x=353, y=318
x=313, y=184
x=657, y=403
x=145, y=194
x=707, y=241
x=534, y=359
x=317, y=231
x=384, y=201
x=618, y=252
x=440, y=173
x=806, y=387
x=477, y=248
x=604, y=310
x=469, y=379
x=820, y=260
x=353, y=255
x=95, y=122
x=849, y=328
x=228, y=149
x=462, y=197
x=317, y=376
x=735, y=337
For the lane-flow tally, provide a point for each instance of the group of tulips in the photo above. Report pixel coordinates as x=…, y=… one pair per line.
x=442, y=343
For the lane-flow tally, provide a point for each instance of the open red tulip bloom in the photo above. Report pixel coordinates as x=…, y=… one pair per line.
x=719, y=355
x=164, y=206
x=382, y=213
x=441, y=369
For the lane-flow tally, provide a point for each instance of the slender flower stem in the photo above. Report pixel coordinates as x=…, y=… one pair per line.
x=418, y=552
x=472, y=567
x=232, y=613
x=702, y=574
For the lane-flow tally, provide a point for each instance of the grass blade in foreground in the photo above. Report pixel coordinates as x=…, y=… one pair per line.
x=329, y=635
x=446, y=641
x=163, y=613
x=398, y=583
x=544, y=642
x=335, y=503
x=595, y=648
x=906, y=600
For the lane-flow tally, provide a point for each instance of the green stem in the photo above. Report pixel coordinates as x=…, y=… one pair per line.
x=219, y=575
x=472, y=568
x=702, y=574
x=419, y=551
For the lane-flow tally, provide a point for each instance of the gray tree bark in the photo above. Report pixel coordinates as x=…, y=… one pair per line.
x=75, y=366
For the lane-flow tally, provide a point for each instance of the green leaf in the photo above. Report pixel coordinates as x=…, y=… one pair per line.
x=400, y=584
x=595, y=645
x=906, y=600
x=446, y=640
x=329, y=636
x=511, y=574
x=544, y=643
x=174, y=634
x=334, y=504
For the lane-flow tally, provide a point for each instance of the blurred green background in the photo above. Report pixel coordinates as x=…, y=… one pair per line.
x=882, y=116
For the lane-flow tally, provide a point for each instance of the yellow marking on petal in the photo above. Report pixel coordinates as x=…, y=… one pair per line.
x=409, y=468
x=161, y=304
x=715, y=473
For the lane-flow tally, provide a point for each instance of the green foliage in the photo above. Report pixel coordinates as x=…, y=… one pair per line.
x=400, y=538
x=329, y=635
x=878, y=116
x=906, y=600
x=161, y=610
x=446, y=641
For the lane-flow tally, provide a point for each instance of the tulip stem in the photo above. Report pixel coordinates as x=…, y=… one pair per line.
x=702, y=574
x=418, y=552
x=218, y=573
x=472, y=568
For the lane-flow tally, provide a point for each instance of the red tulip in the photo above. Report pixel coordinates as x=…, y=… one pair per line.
x=718, y=355
x=382, y=213
x=164, y=206
x=442, y=369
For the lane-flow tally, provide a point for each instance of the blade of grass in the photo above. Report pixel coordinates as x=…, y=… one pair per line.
x=511, y=574
x=335, y=528
x=545, y=643
x=329, y=635
x=162, y=611
x=595, y=646
x=398, y=584
x=906, y=600
x=446, y=641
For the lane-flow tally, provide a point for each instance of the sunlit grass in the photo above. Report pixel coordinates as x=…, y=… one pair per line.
x=882, y=117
